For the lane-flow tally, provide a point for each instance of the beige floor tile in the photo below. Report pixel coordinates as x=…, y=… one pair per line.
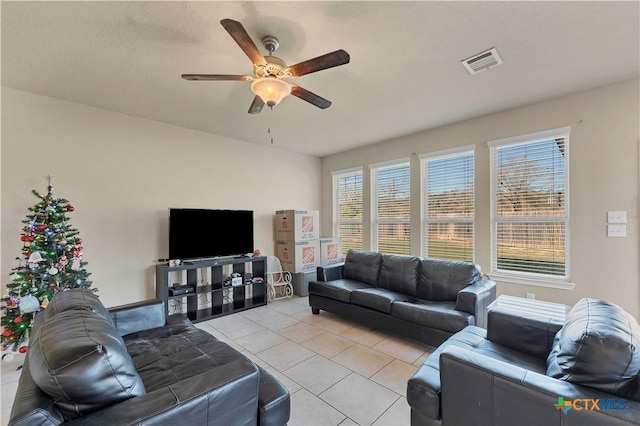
x=287, y=382
x=404, y=350
x=327, y=344
x=307, y=409
x=285, y=355
x=363, y=336
x=260, y=340
x=226, y=321
x=279, y=321
x=303, y=300
x=300, y=332
x=335, y=325
x=395, y=375
x=259, y=314
x=317, y=374
x=359, y=398
x=308, y=317
x=4, y=417
x=286, y=307
x=399, y=414
x=422, y=359
x=362, y=360
x=240, y=330
x=348, y=422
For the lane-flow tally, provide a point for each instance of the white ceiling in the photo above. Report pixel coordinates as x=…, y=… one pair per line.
x=404, y=76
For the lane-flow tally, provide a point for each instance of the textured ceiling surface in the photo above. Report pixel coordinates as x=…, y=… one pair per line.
x=404, y=76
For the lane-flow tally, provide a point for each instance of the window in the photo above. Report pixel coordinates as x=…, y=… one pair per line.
x=529, y=207
x=390, y=189
x=348, y=208
x=448, y=204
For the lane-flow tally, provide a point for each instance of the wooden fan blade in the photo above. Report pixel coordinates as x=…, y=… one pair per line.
x=310, y=97
x=216, y=77
x=240, y=35
x=256, y=105
x=330, y=60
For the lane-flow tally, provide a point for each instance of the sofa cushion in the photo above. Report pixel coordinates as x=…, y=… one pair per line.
x=598, y=347
x=337, y=289
x=378, y=299
x=77, y=298
x=399, y=274
x=164, y=356
x=79, y=360
x=439, y=315
x=441, y=280
x=362, y=266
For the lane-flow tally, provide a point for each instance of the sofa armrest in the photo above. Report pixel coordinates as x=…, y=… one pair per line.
x=475, y=299
x=331, y=272
x=138, y=316
x=219, y=396
x=478, y=389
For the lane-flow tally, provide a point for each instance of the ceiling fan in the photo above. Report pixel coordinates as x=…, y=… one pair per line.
x=270, y=72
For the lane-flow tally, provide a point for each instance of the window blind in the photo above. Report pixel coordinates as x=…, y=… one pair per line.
x=392, y=210
x=530, y=206
x=448, y=206
x=348, y=204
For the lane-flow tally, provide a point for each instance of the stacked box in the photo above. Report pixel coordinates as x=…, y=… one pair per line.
x=298, y=256
x=297, y=225
x=330, y=251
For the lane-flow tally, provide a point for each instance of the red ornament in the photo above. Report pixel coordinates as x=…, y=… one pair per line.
x=70, y=208
x=7, y=333
x=41, y=227
x=18, y=320
x=78, y=240
x=23, y=349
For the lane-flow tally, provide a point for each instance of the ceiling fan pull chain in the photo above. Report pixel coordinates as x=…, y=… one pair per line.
x=269, y=128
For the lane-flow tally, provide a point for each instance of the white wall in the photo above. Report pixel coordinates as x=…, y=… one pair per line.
x=605, y=133
x=122, y=173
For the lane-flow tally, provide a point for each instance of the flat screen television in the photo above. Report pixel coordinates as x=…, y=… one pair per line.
x=202, y=233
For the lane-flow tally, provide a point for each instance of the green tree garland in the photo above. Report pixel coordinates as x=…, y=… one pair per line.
x=51, y=261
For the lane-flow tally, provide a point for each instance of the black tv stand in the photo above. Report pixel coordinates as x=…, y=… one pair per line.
x=211, y=298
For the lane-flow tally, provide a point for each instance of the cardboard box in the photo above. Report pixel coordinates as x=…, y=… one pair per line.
x=330, y=251
x=297, y=225
x=298, y=256
x=301, y=280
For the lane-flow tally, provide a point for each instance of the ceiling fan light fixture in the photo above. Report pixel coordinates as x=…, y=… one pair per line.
x=271, y=90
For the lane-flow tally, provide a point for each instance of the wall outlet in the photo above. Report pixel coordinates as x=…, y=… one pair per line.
x=617, y=217
x=619, y=231
x=531, y=295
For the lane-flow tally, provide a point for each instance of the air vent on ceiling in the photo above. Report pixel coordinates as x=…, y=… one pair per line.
x=482, y=61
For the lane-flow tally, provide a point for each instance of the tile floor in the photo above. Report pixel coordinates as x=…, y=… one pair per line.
x=338, y=372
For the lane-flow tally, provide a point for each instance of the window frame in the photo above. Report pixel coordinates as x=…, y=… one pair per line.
x=375, y=221
x=424, y=196
x=521, y=277
x=336, y=204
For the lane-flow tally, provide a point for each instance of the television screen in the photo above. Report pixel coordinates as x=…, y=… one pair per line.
x=202, y=233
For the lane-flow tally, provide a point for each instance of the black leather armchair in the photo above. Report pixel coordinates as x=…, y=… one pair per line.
x=506, y=375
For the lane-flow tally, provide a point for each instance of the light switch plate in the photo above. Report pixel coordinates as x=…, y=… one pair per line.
x=617, y=217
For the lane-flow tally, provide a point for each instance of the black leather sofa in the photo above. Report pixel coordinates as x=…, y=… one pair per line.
x=87, y=365
x=527, y=370
x=424, y=299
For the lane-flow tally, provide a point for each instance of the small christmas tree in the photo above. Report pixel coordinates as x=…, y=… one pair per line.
x=51, y=261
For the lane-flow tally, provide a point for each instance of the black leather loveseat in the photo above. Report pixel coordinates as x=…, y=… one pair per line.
x=87, y=365
x=425, y=299
x=532, y=370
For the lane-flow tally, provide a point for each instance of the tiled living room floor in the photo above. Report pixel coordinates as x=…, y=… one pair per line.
x=338, y=372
